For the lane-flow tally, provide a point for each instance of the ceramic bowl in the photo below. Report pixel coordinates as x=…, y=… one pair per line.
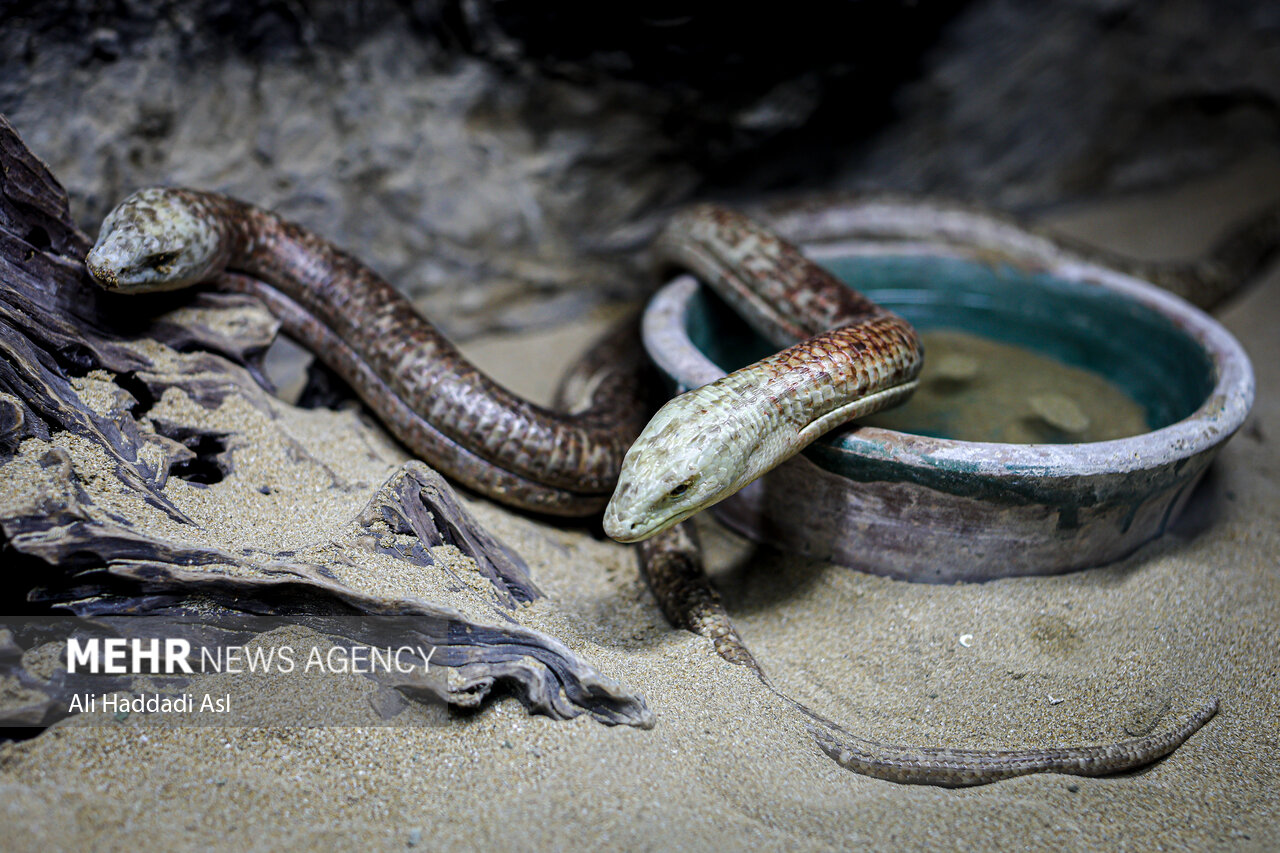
x=936, y=509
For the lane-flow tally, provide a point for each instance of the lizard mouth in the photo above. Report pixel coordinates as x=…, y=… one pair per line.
x=103, y=272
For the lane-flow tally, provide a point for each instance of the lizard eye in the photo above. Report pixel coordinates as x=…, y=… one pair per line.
x=160, y=260
x=678, y=490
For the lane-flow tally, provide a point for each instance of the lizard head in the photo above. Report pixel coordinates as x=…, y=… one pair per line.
x=683, y=462
x=156, y=239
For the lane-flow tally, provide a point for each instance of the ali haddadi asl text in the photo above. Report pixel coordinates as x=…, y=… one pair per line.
x=149, y=703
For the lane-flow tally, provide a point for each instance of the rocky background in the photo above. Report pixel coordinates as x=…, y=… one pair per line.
x=502, y=161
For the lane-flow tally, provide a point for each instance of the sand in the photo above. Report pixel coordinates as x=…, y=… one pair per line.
x=1081, y=657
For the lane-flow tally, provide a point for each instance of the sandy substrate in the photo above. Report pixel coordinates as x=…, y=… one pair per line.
x=1084, y=657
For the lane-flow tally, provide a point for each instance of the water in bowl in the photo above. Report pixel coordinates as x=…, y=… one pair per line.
x=976, y=389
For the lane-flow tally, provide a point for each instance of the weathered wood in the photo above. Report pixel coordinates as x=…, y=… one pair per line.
x=106, y=565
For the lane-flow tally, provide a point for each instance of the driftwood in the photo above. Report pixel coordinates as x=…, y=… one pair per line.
x=81, y=374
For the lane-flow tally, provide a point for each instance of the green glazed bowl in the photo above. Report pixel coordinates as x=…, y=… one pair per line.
x=937, y=509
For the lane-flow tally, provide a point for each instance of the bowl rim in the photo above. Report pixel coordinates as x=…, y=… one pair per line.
x=1218, y=416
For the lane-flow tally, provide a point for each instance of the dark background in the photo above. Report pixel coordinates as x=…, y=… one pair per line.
x=502, y=160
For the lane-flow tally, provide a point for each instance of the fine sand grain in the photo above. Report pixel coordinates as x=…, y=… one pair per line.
x=1085, y=657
